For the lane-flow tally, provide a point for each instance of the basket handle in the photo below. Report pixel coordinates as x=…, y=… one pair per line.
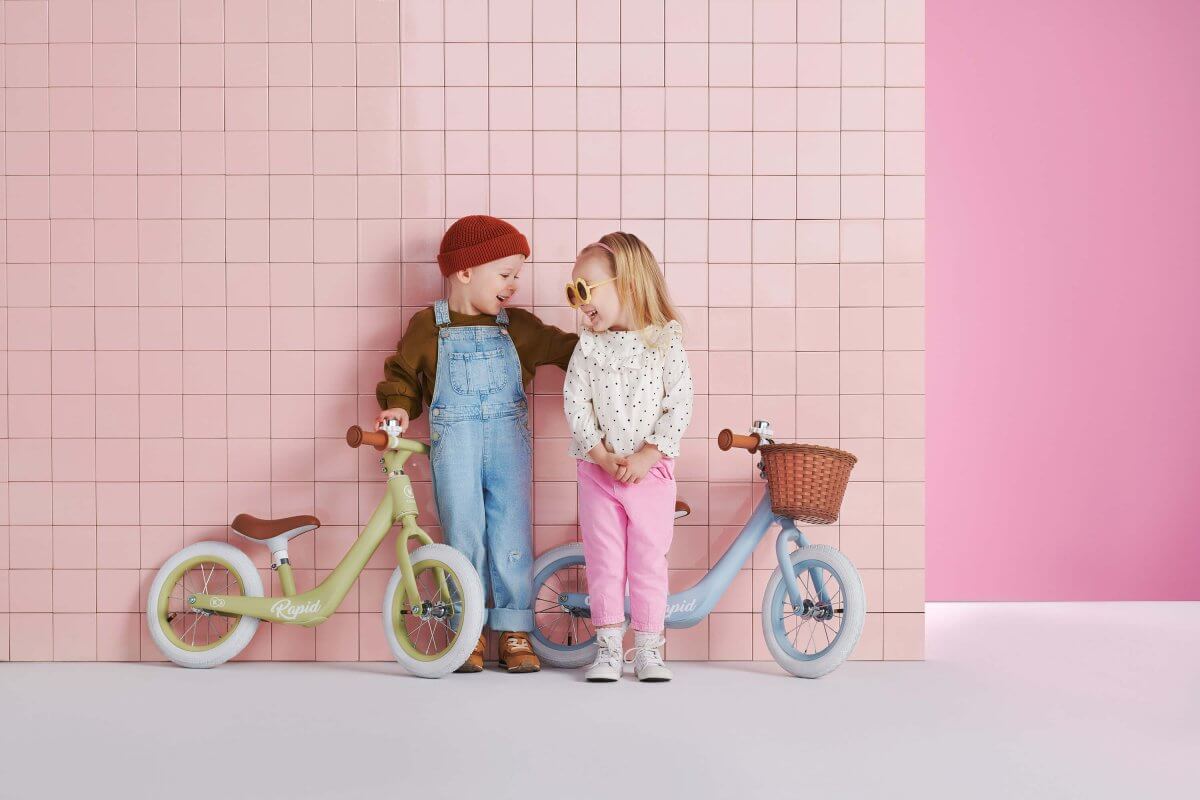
x=727, y=439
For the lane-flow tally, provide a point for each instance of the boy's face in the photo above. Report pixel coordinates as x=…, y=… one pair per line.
x=491, y=286
x=603, y=309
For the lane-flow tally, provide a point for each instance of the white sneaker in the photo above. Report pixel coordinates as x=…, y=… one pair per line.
x=647, y=657
x=607, y=666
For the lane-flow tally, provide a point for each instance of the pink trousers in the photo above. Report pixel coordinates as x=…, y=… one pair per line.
x=627, y=531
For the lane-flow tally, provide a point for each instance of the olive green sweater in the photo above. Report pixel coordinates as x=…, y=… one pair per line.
x=409, y=375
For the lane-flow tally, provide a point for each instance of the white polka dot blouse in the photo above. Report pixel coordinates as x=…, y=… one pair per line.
x=628, y=387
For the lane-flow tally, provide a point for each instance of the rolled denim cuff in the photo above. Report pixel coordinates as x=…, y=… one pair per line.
x=509, y=619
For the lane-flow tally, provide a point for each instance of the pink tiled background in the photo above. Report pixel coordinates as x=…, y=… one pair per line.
x=219, y=218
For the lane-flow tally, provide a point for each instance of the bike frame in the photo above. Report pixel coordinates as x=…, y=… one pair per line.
x=688, y=607
x=318, y=604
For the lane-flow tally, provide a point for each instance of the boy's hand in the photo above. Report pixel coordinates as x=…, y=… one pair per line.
x=398, y=414
x=638, y=464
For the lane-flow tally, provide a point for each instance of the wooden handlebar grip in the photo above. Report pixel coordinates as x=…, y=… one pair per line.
x=727, y=439
x=356, y=436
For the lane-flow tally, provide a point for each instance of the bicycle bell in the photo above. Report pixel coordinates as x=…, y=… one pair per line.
x=763, y=429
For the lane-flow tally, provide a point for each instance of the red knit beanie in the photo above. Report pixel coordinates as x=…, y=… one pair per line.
x=478, y=239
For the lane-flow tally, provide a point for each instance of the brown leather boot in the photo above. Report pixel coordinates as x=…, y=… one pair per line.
x=474, y=662
x=516, y=654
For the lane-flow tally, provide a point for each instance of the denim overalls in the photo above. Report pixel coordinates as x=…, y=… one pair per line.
x=481, y=455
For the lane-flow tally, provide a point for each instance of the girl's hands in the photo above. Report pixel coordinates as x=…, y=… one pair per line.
x=398, y=414
x=609, y=462
x=637, y=465
x=613, y=464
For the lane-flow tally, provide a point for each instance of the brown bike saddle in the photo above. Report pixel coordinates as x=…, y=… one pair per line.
x=261, y=529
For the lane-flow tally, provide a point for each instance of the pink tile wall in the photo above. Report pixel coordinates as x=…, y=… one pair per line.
x=219, y=218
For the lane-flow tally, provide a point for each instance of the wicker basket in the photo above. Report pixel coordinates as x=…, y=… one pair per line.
x=807, y=481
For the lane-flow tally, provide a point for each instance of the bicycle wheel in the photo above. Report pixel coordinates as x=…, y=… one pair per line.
x=435, y=638
x=192, y=637
x=562, y=636
x=815, y=638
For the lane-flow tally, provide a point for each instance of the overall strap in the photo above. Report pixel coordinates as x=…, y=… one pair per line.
x=441, y=313
x=502, y=318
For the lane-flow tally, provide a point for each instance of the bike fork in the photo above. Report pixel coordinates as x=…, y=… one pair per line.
x=408, y=528
x=791, y=533
x=404, y=510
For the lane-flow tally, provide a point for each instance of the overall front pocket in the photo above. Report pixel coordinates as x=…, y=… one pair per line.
x=476, y=373
x=460, y=373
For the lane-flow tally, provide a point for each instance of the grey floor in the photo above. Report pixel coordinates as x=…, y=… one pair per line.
x=1015, y=700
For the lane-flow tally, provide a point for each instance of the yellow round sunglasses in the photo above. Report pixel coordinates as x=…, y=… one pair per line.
x=579, y=291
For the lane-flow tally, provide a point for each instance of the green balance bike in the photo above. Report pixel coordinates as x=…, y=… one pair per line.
x=206, y=601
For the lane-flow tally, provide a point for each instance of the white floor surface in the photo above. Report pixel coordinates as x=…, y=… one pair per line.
x=1026, y=700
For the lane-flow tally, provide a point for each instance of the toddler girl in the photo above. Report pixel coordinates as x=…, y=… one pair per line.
x=628, y=399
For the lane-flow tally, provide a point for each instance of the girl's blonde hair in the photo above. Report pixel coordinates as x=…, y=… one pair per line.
x=640, y=284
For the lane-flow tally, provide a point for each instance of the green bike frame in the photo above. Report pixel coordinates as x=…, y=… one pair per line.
x=317, y=605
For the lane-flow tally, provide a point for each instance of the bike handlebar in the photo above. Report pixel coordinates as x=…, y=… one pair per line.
x=727, y=439
x=356, y=436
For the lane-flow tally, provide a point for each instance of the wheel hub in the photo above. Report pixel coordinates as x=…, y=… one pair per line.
x=816, y=611
x=435, y=610
x=574, y=611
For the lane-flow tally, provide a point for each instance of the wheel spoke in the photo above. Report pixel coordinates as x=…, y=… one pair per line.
x=554, y=624
x=435, y=630
x=431, y=628
x=793, y=621
x=554, y=621
x=423, y=627
x=192, y=627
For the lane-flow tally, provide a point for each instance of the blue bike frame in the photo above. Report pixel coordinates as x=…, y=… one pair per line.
x=686, y=608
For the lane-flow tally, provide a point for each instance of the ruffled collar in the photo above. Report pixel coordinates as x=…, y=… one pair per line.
x=629, y=351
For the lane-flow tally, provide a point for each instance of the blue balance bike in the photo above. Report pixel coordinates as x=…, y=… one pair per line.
x=813, y=607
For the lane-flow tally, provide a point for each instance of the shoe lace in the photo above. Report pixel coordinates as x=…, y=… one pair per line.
x=647, y=653
x=608, y=650
x=517, y=644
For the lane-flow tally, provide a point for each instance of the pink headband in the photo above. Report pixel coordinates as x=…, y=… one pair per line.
x=602, y=246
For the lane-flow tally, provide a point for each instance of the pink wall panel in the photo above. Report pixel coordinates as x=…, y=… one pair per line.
x=1062, y=291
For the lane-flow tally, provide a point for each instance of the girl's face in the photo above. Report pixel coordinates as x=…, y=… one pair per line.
x=491, y=286
x=603, y=310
